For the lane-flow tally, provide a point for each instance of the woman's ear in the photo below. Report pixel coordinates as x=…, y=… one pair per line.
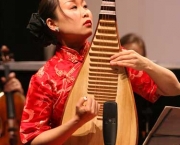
x=51, y=24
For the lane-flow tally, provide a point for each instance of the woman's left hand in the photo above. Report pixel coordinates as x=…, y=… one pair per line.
x=129, y=58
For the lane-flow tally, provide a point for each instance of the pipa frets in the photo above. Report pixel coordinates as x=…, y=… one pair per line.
x=103, y=46
x=108, y=10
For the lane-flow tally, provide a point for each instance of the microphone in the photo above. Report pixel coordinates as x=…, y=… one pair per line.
x=110, y=122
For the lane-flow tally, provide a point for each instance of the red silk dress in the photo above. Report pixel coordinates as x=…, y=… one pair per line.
x=50, y=86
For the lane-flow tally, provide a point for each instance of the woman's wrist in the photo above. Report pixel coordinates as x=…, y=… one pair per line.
x=149, y=65
x=77, y=121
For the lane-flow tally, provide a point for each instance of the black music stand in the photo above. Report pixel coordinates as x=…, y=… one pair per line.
x=166, y=130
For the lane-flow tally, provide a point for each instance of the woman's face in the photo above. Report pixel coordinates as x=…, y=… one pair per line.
x=74, y=19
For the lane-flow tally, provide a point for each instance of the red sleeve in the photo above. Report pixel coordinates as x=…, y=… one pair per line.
x=143, y=85
x=38, y=107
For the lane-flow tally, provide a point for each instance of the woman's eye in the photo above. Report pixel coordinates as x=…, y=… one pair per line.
x=74, y=7
x=85, y=6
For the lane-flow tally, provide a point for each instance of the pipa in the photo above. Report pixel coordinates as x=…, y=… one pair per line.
x=105, y=83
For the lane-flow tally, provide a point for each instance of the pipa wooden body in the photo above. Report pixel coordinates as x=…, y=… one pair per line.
x=105, y=83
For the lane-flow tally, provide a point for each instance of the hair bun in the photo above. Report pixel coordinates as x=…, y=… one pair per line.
x=39, y=30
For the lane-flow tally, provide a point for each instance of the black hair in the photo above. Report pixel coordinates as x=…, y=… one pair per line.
x=40, y=32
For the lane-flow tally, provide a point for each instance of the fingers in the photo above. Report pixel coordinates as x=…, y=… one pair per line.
x=11, y=75
x=95, y=107
x=87, y=105
x=124, y=63
x=13, y=81
x=92, y=106
x=121, y=53
x=126, y=58
x=84, y=104
x=86, y=109
x=82, y=101
x=3, y=79
x=124, y=55
x=13, y=85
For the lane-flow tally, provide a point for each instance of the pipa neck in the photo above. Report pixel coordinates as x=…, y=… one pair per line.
x=108, y=10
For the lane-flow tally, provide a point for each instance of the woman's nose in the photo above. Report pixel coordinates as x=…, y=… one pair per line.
x=85, y=13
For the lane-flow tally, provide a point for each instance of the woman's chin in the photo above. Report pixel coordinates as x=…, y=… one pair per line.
x=88, y=34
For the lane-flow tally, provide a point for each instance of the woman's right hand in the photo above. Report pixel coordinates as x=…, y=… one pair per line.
x=86, y=109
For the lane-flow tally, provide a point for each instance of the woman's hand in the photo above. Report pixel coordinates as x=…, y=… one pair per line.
x=13, y=84
x=129, y=58
x=86, y=109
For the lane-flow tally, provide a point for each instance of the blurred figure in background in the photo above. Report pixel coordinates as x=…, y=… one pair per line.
x=10, y=110
x=11, y=83
x=132, y=41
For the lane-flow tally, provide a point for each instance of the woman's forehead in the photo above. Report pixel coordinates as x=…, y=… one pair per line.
x=65, y=1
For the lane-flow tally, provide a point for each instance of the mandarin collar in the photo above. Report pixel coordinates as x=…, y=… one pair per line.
x=71, y=54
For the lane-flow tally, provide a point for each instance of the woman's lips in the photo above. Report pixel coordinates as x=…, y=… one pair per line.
x=88, y=23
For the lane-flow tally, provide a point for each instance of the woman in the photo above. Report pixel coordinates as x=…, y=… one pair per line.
x=69, y=24
x=131, y=41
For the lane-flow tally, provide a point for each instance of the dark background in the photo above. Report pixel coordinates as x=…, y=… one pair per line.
x=14, y=17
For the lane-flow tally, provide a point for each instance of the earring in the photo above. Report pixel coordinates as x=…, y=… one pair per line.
x=57, y=29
